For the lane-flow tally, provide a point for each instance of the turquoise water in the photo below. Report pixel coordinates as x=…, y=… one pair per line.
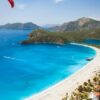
x=26, y=70
x=93, y=41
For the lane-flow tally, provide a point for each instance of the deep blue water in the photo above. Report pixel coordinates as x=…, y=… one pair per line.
x=93, y=41
x=26, y=70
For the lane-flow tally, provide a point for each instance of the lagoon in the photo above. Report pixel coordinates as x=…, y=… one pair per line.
x=27, y=70
x=93, y=42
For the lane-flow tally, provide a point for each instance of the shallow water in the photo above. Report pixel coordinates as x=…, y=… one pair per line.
x=26, y=70
x=93, y=41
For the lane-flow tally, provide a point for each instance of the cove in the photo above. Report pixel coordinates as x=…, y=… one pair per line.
x=27, y=70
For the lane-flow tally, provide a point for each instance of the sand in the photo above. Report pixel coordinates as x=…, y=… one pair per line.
x=68, y=85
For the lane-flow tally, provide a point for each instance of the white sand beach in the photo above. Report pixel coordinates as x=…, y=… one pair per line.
x=58, y=91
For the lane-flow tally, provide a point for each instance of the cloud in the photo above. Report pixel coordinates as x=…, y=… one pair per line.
x=21, y=6
x=58, y=1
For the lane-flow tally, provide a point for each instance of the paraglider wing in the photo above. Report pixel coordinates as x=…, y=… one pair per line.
x=11, y=3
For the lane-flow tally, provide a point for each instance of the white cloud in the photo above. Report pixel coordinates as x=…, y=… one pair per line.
x=21, y=6
x=58, y=1
x=96, y=18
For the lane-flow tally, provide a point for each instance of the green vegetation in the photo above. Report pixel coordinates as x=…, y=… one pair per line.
x=74, y=31
x=43, y=36
x=82, y=92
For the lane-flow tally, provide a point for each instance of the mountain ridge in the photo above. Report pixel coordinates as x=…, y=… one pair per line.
x=20, y=26
x=77, y=25
x=75, y=31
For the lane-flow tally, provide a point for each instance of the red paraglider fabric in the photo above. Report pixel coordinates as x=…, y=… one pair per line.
x=11, y=3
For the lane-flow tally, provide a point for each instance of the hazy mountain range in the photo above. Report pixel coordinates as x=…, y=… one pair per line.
x=49, y=26
x=77, y=25
x=80, y=24
x=20, y=26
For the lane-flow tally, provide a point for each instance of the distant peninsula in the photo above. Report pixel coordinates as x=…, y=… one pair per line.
x=20, y=26
x=76, y=31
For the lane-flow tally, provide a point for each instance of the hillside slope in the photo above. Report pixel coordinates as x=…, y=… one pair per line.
x=78, y=25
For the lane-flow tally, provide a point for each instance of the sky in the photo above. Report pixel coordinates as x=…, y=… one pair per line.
x=43, y=12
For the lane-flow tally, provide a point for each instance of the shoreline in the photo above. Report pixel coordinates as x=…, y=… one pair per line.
x=58, y=91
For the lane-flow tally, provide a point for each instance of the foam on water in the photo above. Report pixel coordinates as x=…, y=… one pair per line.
x=11, y=58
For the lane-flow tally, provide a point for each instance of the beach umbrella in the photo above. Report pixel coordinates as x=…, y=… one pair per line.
x=92, y=96
x=11, y=2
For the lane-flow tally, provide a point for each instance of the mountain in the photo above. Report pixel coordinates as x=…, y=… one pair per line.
x=75, y=31
x=49, y=26
x=78, y=25
x=20, y=26
x=44, y=36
